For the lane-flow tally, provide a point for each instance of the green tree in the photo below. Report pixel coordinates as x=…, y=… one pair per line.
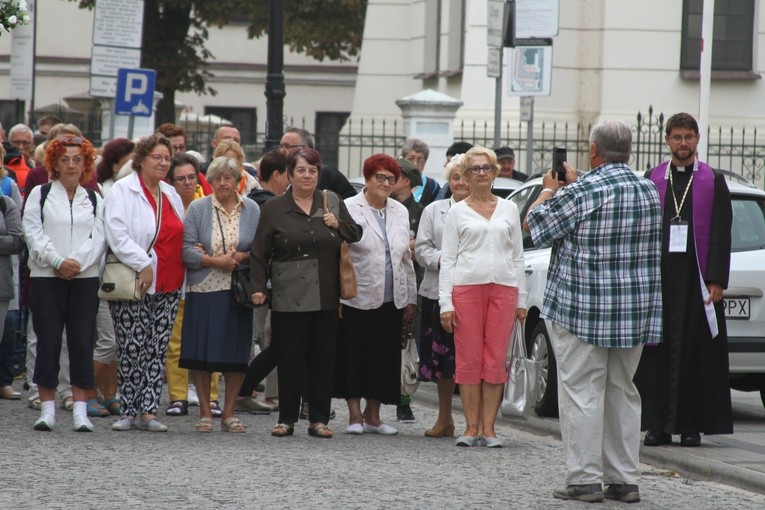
x=175, y=32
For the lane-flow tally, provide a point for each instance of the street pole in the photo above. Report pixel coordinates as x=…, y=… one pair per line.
x=275, y=75
x=705, y=75
x=498, y=103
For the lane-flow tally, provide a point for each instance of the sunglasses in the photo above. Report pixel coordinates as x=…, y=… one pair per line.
x=69, y=140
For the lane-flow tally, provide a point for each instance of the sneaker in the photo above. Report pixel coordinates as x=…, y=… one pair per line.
x=404, y=414
x=592, y=493
x=82, y=423
x=191, y=396
x=250, y=405
x=304, y=411
x=626, y=493
x=45, y=423
x=271, y=403
x=152, y=425
x=124, y=423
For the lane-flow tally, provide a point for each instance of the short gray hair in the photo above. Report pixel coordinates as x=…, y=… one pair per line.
x=305, y=137
x=613, y=138
x=20, y=128
x=223, y=165
x=413, y=144
x=454, y=164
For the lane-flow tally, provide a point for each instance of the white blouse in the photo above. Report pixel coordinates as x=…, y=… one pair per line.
x=476, y=251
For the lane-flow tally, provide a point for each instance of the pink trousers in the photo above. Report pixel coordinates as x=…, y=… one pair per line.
x=484, y=316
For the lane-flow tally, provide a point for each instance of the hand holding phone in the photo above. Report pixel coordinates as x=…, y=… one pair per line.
x=559, y=156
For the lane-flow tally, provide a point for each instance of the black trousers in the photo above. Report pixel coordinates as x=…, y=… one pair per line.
x=305, y=340
x=57, y=304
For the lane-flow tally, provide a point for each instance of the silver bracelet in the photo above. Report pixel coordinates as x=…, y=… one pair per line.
x=549, y=190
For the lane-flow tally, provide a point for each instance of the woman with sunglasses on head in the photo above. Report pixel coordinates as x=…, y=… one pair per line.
x=482, y=288
x=369, y=335
x=144, y=229
x=64, y=230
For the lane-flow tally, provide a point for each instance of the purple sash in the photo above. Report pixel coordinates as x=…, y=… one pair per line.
x=703, y=199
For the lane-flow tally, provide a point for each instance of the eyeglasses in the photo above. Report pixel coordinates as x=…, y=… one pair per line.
x=69, y=140
x=417, y=160
x=179, y=148
x=23, y=143
x=184, y=178
x=381, y=178
x=485, y=169
x=290, y=146
x=159, y=159
x=65, y=160
x=681, y=138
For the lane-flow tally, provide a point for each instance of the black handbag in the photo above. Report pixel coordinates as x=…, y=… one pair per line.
x=241, y=287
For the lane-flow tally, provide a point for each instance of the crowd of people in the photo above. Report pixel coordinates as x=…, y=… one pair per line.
x=635, y=281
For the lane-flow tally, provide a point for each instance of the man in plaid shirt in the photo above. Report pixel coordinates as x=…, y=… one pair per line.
x=603, y=297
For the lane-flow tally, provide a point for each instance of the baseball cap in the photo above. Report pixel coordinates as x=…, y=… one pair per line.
x=410, y=171
x=505, y=153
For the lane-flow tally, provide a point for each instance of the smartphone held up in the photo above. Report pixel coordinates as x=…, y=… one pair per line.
x=558, y=157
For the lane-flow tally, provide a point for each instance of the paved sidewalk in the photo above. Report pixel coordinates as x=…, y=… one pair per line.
x=185, y=469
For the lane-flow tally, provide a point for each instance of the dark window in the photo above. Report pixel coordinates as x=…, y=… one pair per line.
x=11, y=113
x=328, y=126
x=733, y=34
x=244, y=119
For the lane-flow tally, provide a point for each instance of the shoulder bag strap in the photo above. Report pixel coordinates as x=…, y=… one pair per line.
x=159, y=221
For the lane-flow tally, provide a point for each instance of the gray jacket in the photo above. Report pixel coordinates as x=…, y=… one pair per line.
x=197, y=228
x=11, y=243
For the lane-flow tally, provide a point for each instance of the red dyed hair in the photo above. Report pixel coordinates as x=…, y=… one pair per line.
x=57, y=148
x=378, y=162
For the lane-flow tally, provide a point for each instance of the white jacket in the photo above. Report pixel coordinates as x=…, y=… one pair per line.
x=68, y=231
x=131, y=224
x=368, y=255
x=427, y=248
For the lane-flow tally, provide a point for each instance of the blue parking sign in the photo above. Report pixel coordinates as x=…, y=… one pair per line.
x=135, y=92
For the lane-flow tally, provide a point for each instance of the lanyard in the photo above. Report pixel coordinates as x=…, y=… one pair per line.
x=679, y=207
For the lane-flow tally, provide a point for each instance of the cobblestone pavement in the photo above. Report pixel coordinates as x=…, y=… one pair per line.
x=185, y=469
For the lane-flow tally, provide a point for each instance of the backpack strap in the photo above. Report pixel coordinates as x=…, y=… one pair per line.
x=44, y=196
x=6, y=186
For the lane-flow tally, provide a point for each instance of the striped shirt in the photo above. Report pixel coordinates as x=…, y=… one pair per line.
x=604, y=282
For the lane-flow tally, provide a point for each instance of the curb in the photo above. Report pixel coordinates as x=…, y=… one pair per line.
x=684, y=462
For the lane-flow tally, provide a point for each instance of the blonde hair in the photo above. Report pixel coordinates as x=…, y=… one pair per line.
x=229, y=145
x=479, y=151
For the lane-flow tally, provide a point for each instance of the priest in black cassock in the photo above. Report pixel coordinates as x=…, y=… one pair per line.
x=683, y=381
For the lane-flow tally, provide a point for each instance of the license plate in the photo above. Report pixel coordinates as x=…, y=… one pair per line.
x=736, y=307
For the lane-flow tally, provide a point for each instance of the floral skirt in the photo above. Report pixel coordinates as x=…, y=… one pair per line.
x=436, y=345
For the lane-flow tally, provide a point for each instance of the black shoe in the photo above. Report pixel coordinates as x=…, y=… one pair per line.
x=691, y=439
x=657, y=438
x=404, y=414
x=592, y=493
x=626, y=493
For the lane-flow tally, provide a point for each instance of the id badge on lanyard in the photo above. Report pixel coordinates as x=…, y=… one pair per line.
x=678, y=236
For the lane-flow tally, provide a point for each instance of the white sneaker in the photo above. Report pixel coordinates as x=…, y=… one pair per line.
x=191, y=396
x=46, y=422
x=82, y=423
x=383, y=428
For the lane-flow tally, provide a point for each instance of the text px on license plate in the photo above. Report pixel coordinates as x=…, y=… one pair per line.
x=736, y=307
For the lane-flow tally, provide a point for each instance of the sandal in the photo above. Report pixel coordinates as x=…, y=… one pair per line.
x=67, y=403
x=320, y=430
x=205, y=425
x=113, y=405
x=95, y=409
x=283, y=430
x=232, y=425
x=178, y=408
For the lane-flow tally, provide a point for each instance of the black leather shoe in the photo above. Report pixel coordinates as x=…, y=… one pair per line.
x=657, y=438
x=692, y=439
x=622, y=492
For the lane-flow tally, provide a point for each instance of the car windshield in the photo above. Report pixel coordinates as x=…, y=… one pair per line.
x=748, y=231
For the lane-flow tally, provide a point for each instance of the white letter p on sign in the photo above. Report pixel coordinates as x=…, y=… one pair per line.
x=136, y=84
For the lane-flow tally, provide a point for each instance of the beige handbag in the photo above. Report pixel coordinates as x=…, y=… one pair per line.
x=347, y=272
x=119, y=282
